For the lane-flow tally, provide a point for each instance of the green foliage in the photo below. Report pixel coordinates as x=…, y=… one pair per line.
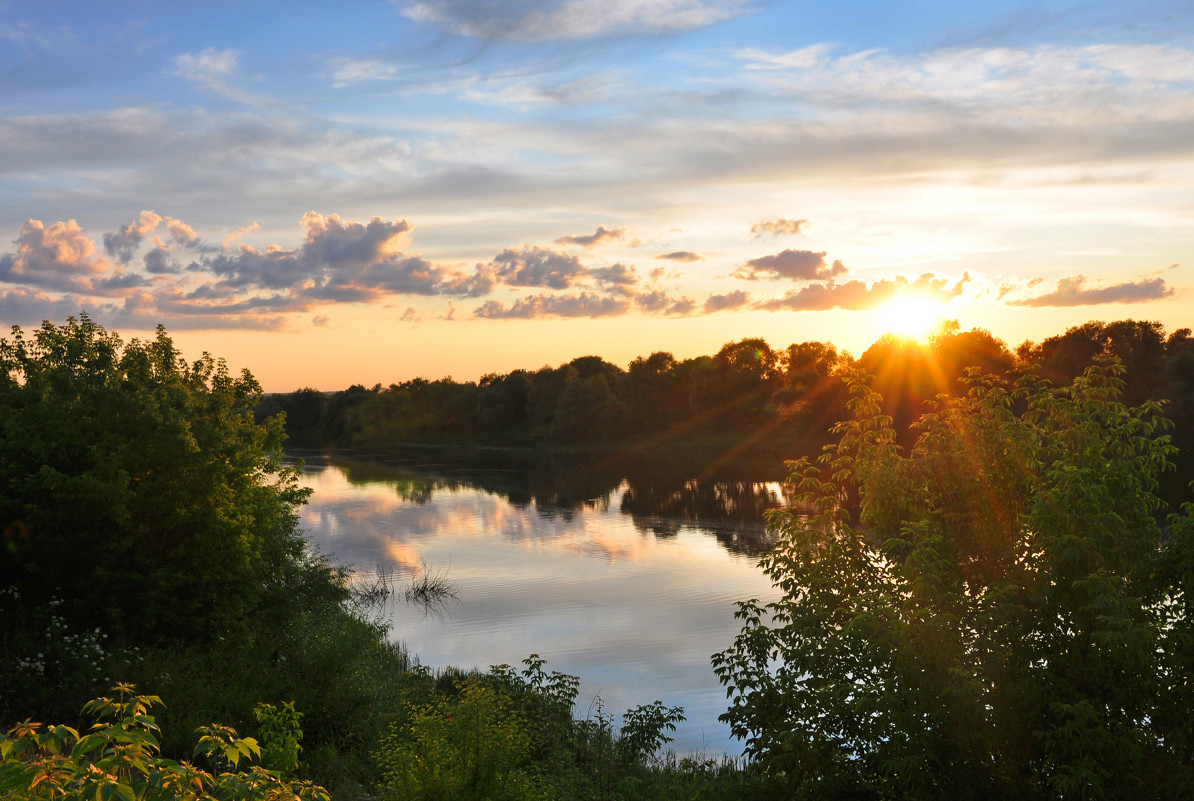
x=473, y=745
x=996, y=625
x=643, y=728
x=121, y=467
x=118, y=759
x=281, y=734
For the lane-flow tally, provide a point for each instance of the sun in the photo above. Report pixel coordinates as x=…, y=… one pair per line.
x=911, y=317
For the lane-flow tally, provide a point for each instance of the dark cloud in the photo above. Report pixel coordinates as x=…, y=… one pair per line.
x=796, y=265
x=681, y=307
x=536, y=266
x=30, y=307
x=409, y=275
x=602, y=234
x=660, y=302
x=777, y=227
x=204, y=303
x=680, y=255
x=731, y=300
x=339, y=261
x=536, y=20
x=483, y=281
x=159, y=262
x=619, y=276
x=1070, y=292
x=335, y=252
x=122, y=243
x=119, y=283
x=858, y=296
x=586, y=304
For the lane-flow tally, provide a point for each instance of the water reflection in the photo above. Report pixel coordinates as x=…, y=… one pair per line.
x=626, y=584
x=659, y=501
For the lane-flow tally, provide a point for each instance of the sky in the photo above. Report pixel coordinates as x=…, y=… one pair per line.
x=368, y=191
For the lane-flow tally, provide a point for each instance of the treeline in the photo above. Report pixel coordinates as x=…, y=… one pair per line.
x=746, y=399
x=746, y=386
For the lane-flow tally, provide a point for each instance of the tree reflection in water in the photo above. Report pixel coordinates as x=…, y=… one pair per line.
x=661, y=498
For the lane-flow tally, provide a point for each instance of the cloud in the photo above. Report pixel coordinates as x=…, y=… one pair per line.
x=731, y=300
x=602, y=234
x=206, y=66
x=619, y=276
x=158, y=262
x=586, y=304
x=118, y=283
x=858, y=296
x=660, y=302
x=797, y=265
x=337, y=256
x=184, y=236
x=411, y=315
x=1071, y=292
x=23, y=306
x=232, y=235
x=212, y=69
x=59, y=257
x=347, y=71
x=536, y=266
x=123, y=242
x=681, y=307
x=777, y=227
x=680, y=255
x=532, y=20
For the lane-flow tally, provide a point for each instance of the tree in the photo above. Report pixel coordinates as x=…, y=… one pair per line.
x=138, y=494
x=1139, y=345
x=1003, y=619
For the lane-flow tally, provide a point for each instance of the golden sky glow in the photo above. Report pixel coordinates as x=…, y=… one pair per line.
x=431, y=188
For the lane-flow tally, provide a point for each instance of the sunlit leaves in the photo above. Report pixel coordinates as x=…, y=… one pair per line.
x=993, y=624
x=119, y=759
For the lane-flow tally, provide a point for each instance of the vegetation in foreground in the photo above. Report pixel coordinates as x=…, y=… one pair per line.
x=150, y=538
x=1004, y=617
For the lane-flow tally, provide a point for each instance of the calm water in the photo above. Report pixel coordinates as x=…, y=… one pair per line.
x=630, y=587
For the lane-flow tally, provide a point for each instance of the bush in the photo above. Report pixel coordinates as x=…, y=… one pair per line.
x=118, y=759
x=1005, y=620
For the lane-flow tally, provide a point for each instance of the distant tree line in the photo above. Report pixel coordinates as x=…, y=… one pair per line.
x=747, y=397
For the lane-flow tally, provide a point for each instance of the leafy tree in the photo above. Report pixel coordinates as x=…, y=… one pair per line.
x=1003, y=619
x=1139, y=345
x=138, y=482
x=139, y=499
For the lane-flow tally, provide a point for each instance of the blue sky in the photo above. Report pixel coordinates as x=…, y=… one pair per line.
x=369, y=191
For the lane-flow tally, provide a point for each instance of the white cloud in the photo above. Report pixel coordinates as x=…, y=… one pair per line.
x=210, y=67
x=60, y=256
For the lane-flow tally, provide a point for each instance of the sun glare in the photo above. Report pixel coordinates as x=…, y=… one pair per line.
x=911, y=317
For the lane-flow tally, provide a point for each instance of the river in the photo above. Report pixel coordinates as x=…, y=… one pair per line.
x=627, y=583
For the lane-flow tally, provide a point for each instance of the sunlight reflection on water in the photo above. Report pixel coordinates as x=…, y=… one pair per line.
x=636, y=614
